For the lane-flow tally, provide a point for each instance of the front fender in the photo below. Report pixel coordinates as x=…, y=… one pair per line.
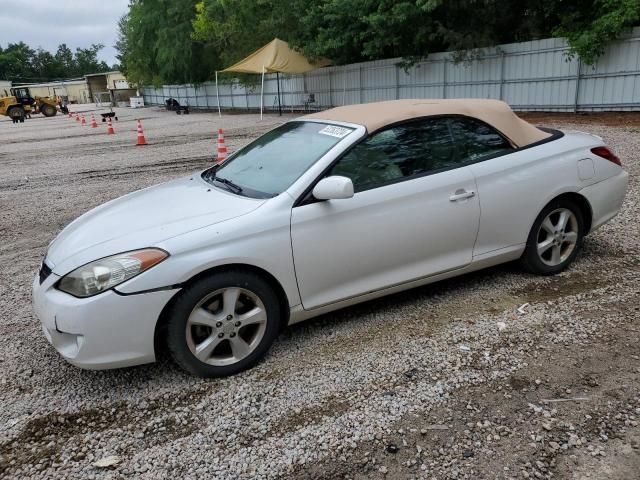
x=261, y=241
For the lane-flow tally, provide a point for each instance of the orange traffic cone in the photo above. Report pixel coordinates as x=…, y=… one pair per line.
x=77, y=117
x=110, y=130
x=93, y=122
x=222, y=149
x=84, y=122
x=141, y=139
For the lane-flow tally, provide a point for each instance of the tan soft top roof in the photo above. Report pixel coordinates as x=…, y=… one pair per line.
x=375, y=116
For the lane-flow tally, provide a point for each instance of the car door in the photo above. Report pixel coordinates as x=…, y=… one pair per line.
x=510, y=183
x=414, y=214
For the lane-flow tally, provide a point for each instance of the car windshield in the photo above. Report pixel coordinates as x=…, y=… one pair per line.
x=269, y=165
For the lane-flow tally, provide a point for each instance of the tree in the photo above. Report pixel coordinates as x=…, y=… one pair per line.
x=20, y=63
x=223, y=24
x=156, y=46
x=589, y=26
x=355, y=30
x=44, y=65
x=86, y=60
x=15, y=62
x=173, y=41
x=64, y=59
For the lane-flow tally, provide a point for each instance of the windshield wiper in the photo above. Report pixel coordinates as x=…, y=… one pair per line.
x=210, y=174
x=232, y=186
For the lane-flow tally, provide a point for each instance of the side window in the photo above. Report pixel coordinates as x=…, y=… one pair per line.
x=398, y=152
x=475, y=139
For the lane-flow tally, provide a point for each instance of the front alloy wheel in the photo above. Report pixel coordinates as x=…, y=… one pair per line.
x=226, y=326
x=223, y=324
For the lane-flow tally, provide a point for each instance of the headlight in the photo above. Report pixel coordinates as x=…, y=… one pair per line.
x=106, y=273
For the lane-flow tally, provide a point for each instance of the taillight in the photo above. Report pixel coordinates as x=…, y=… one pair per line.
x=605, y=152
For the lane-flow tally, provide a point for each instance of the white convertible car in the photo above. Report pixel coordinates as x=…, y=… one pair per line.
x=325, y=211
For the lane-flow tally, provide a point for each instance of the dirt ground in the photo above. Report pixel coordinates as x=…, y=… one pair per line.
x=611, y=119
x=444, y=381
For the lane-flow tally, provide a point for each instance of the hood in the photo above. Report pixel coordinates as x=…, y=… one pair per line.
x=143, y=219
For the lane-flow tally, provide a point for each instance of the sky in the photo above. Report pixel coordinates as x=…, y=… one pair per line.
x=48, y=23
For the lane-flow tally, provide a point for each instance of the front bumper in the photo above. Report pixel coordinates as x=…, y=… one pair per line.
x=108, y=330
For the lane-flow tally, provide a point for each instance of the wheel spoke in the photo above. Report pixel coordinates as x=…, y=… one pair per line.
x=562, y=220
x=239, y=347
x=229, y=300
x=201, y=316
x=555, y=254
x=255, y=315
x=571, y=237
x=214, y=322
x=548, y=226
x=545, y=245
x=206, y=347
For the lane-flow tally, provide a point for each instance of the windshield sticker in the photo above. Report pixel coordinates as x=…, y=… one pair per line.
x=334, y=131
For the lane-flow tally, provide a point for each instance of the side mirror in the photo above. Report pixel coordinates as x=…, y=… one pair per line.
x=333, y=188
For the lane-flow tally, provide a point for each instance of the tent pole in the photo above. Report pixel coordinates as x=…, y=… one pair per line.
x=218, y=94
x=279, y=106
x=262, y=94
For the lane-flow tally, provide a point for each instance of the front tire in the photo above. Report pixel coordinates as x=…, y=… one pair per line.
x=555, y=238
x=48, y=110
x=223, y=324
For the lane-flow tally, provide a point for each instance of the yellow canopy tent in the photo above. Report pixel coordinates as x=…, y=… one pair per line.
x=275, y=57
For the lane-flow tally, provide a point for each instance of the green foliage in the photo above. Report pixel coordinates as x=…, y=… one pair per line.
x=86, y=60
x=357, y=30
x=236, y=28
x=590, y=26
x=156, y=46
x=179, y=41
x=222, y=26
x=21, y=63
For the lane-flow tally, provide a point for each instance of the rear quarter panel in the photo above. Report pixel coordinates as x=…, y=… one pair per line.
x=514, y=188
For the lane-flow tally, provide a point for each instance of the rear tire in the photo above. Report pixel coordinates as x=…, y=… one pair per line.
x=555, y=238
x=16, y=112
x=223, y=324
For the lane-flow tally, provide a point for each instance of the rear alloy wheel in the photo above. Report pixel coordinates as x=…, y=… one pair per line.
x=223, y=324
x=555, y=238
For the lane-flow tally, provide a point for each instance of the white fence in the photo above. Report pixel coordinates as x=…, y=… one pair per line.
x=534, y=75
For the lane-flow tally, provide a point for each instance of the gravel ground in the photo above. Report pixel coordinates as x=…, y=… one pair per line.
x=445, y=381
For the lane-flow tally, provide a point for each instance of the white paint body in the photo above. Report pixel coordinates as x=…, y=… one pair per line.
x=325, y=255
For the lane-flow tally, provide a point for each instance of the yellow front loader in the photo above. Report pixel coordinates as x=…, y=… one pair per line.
x=20, y=104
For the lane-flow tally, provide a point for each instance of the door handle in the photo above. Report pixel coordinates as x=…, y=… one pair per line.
x=461, y=194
